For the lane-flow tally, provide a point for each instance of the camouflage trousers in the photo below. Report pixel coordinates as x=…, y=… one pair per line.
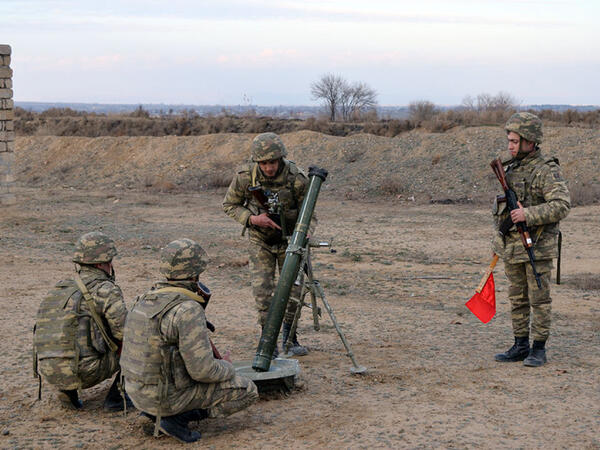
x=263, y=261
x=528, y=301
x=90, y=371
x=225, y=398
x=93, y=370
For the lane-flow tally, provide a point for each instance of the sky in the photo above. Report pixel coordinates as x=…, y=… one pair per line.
x=265, y=52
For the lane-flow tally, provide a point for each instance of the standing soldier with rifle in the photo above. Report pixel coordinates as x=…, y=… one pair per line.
x=265, y=197
x=528, y=233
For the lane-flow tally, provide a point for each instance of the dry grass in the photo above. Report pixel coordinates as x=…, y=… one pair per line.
x=584, y=194
x=584, y=281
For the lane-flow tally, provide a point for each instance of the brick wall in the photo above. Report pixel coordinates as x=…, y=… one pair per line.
x=7, y=133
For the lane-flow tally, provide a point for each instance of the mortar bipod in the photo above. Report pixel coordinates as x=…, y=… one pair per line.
x=310, y=286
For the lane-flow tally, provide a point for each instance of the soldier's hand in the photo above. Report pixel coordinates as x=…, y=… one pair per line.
x=518, y=215
x=227, y=356
x=263, y=220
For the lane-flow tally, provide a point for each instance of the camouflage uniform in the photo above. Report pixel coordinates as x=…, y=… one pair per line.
x=267, y=246
x=167, y=358
x=540, y=187
x=87, y=361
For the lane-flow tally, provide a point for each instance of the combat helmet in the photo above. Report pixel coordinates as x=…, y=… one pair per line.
x=182, y=259
x=267, y=146
x=94, y=248
x=526, y=125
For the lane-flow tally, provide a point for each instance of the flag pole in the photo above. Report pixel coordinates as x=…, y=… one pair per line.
x=487, y=274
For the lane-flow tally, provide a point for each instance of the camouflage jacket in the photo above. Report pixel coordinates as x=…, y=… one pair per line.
x=542, y=190
x=167, y=359
x=89, y=346
x=290, y=184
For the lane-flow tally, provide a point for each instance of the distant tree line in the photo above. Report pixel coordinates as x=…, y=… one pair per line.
x=351, y=116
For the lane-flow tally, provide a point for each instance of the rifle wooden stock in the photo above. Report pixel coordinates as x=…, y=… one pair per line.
x=216, y=353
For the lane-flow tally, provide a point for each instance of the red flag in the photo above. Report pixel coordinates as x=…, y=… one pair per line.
x=483, y=304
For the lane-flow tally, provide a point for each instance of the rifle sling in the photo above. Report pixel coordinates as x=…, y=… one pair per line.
x=91, y=306
x=191, y=295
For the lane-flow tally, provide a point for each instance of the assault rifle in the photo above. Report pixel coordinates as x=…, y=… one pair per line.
x=511, y=203
x=269, y=200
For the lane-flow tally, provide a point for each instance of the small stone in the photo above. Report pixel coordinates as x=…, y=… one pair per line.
x=5, y=432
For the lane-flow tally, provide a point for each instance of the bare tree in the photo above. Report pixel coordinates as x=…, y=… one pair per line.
x=487, y=102
x=421, y=110
x=468, y=102
x=355, y=99
x=503, y=101
x=329, y=89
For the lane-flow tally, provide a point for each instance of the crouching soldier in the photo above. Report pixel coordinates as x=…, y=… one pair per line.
x=79, y=326
x=171, y=372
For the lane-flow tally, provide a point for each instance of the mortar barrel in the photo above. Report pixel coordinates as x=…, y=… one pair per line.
x=289, y=272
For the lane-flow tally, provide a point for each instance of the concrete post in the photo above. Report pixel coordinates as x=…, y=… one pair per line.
x=7, y=130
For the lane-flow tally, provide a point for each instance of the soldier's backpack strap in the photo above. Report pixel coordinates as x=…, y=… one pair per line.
x=183, y=291
x=91, y=306
x=254, y=175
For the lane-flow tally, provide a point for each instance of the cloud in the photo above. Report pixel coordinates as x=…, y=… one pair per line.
x=261, y=59
x=187, y=13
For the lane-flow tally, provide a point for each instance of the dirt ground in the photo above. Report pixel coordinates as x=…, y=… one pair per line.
x=398, y=284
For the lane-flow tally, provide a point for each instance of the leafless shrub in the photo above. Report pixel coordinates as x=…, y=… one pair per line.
x=66, y=122
x=421, y=110
x=388, y=128
x=392, y=186
x=438, y=124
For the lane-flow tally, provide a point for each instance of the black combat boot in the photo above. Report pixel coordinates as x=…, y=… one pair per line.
x=113, y=401
x=537, y=355
x=70, y=398
x=194, y=415
x=295, y=348
x=177, y=427
x=518, y=352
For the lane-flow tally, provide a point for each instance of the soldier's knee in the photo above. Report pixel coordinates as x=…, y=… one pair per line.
x=252, y=391
x=517, y=291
